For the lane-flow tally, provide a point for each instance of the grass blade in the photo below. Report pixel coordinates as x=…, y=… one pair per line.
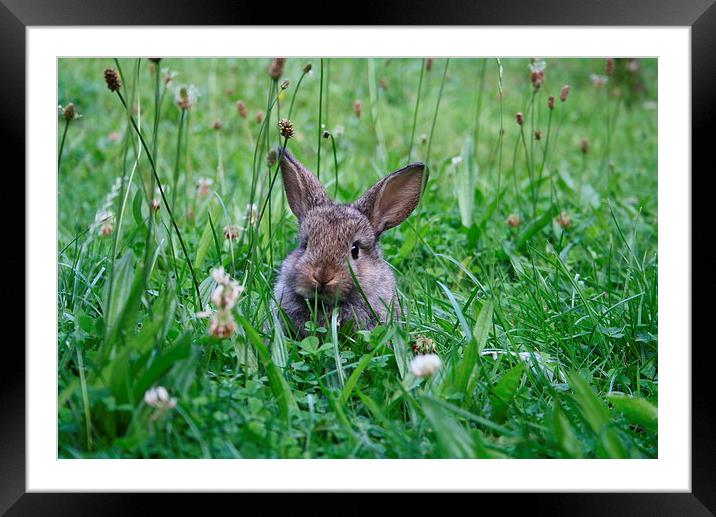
x=278, y=383
x=453, y=440
x=596, y=415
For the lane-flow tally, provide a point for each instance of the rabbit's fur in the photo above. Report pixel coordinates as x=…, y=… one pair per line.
x=315, y=277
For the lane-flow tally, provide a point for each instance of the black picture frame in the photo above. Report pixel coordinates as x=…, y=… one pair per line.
x=699, y=15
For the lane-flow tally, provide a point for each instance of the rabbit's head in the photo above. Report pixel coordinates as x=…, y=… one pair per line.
x=337, y=238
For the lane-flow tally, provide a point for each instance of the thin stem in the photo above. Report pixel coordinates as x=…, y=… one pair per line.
x=263, y=208
x=611, y=121
x=478, y=108
x=427, y=165
x=532, y=154
x=177, y=158
x=546, y=150
x=121, y=198
x=417, y=107
x=295, y=92
x=166, y=203
x=518, y=199
x=150, y=194
x=328, y=91
x=529, y=169
x=157, y=108
x=435, y=118
x=85, y=400
x=377, y=128
x=271, y=184
x=254, y=177
x=500, y=144
x=274, y=90
x=320, y=120
x=62, y=144
x=335, y=164
x=220, y=160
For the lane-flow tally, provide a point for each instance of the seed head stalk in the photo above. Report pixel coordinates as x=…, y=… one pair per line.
x=435, y=119
x=262, y=138
x=150, y=194
x=175, y=182
x=515, y=182
x=274, y=91
x=62, y=144
x=123, y=194
x=254, y=178
x=335, y=164
x=377, y=128
x=271, y=184
x=611, y=122
x=500, y=139
x=257, y=225
x=327, y=110
x=164, y=199
x=500, y=146
x=534, y=188
x=545, y=151
x=257, y=148
x=478, y=107
x=120, y=200
x=529, y=170
x=320, y=121
x=306, y=71
x=417, y=108
x=564, y=93
x=426, y=172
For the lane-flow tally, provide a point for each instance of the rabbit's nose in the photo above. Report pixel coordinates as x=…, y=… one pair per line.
x=323, y=277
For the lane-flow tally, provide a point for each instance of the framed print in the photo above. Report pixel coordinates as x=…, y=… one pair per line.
x=398, y=258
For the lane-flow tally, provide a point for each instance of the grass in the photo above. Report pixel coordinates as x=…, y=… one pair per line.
x=547, y=328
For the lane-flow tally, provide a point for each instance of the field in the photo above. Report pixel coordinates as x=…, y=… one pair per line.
x=529, y=267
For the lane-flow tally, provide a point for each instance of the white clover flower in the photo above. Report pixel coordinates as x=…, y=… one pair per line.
x=457, y=160
x=425, y=365
x=220, y=276
x=222, y=324
x=599, y=80
x=158, y=397
x=226, y=294
x=203, y=186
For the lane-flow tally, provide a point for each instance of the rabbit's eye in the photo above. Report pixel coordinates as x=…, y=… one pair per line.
x=354, y=250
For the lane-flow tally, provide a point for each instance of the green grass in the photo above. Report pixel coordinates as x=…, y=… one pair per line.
x=548, y=334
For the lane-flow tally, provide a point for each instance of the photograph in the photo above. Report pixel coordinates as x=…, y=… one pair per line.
x=357, y=258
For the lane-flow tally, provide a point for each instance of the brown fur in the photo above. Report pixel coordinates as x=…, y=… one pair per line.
x=316, y=274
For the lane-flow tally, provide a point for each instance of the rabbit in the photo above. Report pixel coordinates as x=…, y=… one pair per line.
x=316, y=274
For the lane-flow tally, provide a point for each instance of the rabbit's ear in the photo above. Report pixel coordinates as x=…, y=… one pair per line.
x=387, y=203
x=303, y=190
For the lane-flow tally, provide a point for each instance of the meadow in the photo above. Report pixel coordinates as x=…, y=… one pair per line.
x=529, y=268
